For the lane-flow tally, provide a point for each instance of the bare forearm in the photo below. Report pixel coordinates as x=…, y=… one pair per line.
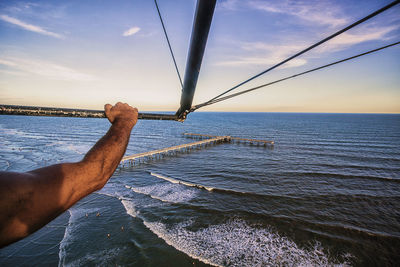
x=102, y=160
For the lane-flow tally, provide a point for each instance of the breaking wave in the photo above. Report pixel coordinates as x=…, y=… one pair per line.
x=236, y=243
x=69, y=234
x=176, y=181
x=198, y=186
x=165, y=192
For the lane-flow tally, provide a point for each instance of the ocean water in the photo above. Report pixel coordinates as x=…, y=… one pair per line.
x=327, y=193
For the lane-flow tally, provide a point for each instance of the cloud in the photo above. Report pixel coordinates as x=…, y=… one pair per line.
x=7, y=63
x=229, y=4
x=11, y=72
x=44, y=11
x=266, y=54
x=243, y=61
x=30, y=27
x=259, y=53
x=319, y=12
x=45, y=69
x=131, y=31
x=346, y=39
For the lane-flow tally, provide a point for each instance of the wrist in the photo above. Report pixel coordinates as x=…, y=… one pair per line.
x=124, y=123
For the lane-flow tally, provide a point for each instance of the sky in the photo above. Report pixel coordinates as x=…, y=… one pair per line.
x=83, y=54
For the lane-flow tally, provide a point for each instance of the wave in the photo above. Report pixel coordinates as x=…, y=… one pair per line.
x=4, y=165
x=57, y=143
x=236, y=243
x=129, y=207
x=338, y=175
x=104, y=257
x=357, y=167
x=62, y=146
x=209, y=189
x=21, y=133
x=353, y=157
x=176, y=181
x=165, y=193
x=75, y=213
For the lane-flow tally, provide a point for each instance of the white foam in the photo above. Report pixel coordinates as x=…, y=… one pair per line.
x=129, y=207
x=176, y=181
x=235, y=243
x=167, y=192
x=53, y=143
x=80, y=149
x=77, y=148
x=5, y=166
x=21, y=133
x=75, y=215
x=62, y=253
x=101, y=258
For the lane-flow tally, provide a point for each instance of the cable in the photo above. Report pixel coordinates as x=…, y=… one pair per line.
x=289, y=77
x=169, y=45
x=311, y=47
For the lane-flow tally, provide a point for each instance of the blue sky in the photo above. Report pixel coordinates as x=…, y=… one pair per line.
x=84, y=54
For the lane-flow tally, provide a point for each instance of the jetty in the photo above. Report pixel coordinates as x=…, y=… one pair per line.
x=159, y=153
x=237, y=139
x=139, y=158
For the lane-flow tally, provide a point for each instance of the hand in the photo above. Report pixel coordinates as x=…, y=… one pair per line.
x=121, y=112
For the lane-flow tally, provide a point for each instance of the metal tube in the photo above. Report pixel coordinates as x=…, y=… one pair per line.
x=68, y=112
x=201, y=26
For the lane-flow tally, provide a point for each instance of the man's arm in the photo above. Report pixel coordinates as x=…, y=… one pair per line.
x=28, y=201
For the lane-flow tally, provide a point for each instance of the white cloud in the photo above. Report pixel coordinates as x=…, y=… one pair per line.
x=10, y=72
x=131, y=31
x=243, y=61
x=7, y=63
x=346, y=39
x=266, y=54
x=30, y=27
x=320, y=12
x=229, y=4
x=277, y=51
x=45, y=69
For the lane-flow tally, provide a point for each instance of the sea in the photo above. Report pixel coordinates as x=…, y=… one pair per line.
x=326, y=194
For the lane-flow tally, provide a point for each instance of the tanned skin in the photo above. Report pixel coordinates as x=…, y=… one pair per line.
x=30, y=200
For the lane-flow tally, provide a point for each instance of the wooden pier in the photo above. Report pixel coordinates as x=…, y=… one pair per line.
x=154, y=154
x=251, y=141
x=136, y=159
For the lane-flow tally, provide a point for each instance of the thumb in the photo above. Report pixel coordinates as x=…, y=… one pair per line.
x=107, y=110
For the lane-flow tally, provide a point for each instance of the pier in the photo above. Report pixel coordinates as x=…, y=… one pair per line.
x=237, y=139
x=136, y=159
x=154, y=154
